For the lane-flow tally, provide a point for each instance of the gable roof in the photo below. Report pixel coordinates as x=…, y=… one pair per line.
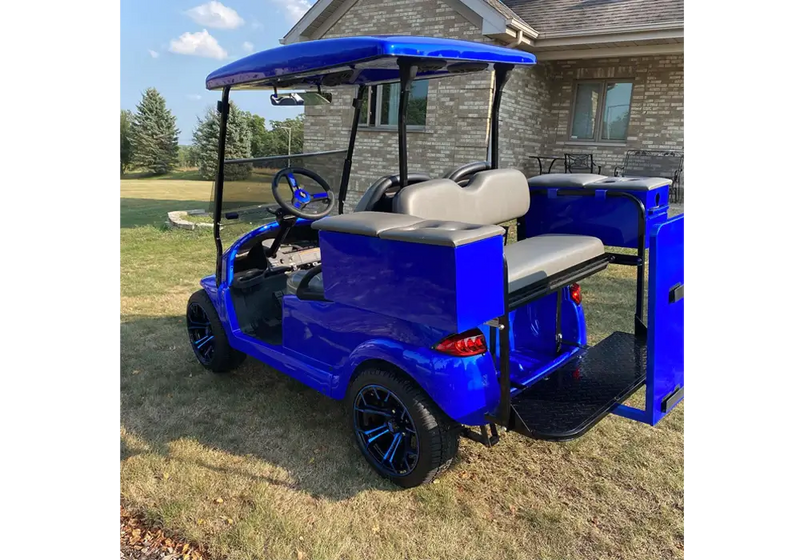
x=559, y=16
x=497, y=19
x=552, y=29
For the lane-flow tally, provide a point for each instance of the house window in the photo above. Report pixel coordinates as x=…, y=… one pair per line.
x=380, y=107
x=601, y=111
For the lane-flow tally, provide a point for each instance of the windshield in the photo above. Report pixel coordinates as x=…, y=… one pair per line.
x=247, y=200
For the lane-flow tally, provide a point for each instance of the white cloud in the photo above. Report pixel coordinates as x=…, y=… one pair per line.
x=154, y=54
x=255, y=24
x=198, y=44
x=248, y=47
x=293, y=9
x=194, y=97
x=216, y=15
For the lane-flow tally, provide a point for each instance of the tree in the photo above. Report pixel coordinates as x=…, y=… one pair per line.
x=237, y=143
x=125, y=148
x=278, y=136
x=259, y=136
x=154, y=136
x=188, y=156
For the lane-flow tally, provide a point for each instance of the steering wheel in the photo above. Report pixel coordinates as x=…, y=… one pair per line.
x=463, y=174
x=300, y=197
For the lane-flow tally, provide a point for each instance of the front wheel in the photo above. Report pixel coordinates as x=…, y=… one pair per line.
x=401, y=432
x=207, y=335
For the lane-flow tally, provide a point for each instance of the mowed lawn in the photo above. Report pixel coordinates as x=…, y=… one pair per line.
x=255, y=465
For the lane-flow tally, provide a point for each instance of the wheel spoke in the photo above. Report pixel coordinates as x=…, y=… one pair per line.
x=398, y=437
x=200, y=343
x=373, y=438
x=370, y=410
x=373, y=430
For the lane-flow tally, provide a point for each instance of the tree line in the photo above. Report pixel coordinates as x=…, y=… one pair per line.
x=149, y=139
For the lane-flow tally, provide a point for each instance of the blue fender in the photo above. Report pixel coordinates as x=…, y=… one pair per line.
x=464, y=388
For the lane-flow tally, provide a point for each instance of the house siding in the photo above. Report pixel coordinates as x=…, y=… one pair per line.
x=457, y=121
x=656, y=117
x=535, y=110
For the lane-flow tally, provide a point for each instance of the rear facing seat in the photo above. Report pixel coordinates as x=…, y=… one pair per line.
x=493, y=197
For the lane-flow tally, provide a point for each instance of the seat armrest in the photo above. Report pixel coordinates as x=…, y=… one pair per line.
x=371, y=224
x=437, y=232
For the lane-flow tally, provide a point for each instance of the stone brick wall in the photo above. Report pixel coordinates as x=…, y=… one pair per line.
x=456, y=129
x=535, y=111
x=656, y=119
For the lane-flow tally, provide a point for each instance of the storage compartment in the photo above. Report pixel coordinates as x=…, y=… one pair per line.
x=603, y=207
x=447, y=275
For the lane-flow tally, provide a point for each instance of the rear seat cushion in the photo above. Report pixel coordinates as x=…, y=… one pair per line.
x=566, y=180
x=632, y=183
x=554, y=180
x=491, y=197
x=536, y=258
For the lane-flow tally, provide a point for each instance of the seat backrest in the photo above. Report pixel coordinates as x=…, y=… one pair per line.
x=491, y=197
x=376, y=196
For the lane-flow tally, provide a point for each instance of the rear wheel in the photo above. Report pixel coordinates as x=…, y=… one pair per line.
x=401, y=432
x=207, y=335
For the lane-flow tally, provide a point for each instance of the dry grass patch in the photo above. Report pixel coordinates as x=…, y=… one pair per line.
x=256, y=465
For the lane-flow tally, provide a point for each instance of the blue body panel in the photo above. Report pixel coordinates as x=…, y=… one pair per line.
x=615, y=221
x=664, y=323
x=306, y=63
x=344, y=337
x=450, y=288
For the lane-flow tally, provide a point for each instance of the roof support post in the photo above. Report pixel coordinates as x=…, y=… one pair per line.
x=408, y=71
x=501, y=74
x=358, y=102
x=223, y=108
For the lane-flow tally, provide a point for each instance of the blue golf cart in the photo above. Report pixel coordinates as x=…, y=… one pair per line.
x=417, y=309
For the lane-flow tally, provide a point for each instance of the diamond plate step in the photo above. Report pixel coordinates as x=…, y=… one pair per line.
x=572, y=399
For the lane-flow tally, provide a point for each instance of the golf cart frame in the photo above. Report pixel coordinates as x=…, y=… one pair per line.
x=395, y=326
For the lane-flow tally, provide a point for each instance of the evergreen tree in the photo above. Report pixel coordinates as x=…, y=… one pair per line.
x=237, y=143
x=154, y=136
x=125, y=148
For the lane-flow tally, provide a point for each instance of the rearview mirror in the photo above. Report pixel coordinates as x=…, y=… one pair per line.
x=301, y=98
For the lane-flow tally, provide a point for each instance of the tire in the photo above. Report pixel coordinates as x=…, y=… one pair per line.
x=434, y=439
x=202, y=322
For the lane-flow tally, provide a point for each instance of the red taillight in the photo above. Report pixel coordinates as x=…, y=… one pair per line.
x=575, y=293
x=470, y=343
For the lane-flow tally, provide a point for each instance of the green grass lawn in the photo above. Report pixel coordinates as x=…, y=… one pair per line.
x=255, y=465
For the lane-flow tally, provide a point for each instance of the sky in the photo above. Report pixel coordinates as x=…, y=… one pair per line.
x=172, y=45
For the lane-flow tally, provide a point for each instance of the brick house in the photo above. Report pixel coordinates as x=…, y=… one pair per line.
x=609, y=79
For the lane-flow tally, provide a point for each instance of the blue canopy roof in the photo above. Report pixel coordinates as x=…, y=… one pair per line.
x=359, y=60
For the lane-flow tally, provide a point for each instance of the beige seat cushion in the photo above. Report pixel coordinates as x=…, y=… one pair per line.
x=536, y=258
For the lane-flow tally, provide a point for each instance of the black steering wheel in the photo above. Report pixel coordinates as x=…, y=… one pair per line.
x=463, y=174
x=300, y=197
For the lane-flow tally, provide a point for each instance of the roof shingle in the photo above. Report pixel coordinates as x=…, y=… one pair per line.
x=555, y=16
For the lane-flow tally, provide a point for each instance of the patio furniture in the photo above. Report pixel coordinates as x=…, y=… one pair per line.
x=655, y=163
x=580, y=163
x=553, y=160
